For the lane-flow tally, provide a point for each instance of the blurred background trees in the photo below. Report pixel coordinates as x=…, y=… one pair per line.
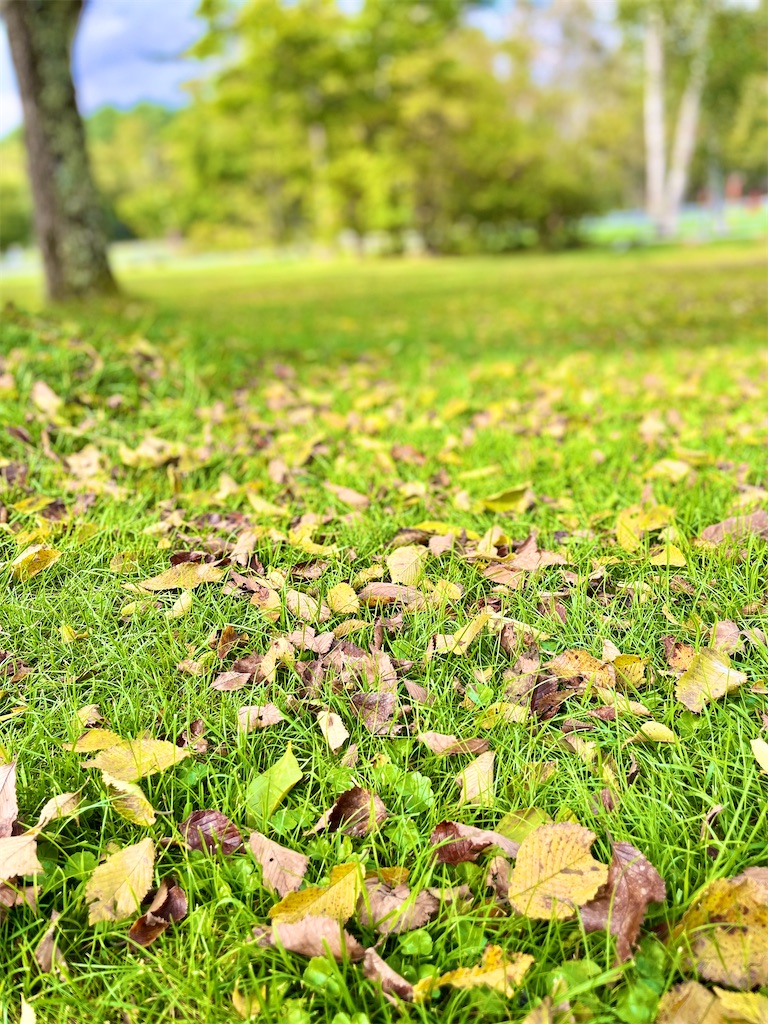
x=448, y=125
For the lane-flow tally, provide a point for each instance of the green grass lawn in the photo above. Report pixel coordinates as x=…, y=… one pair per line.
x=587, y=385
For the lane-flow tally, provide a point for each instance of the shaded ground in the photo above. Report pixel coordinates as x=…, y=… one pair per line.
x=620, y=399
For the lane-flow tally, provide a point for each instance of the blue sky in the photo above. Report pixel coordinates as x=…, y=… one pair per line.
x=125, y=51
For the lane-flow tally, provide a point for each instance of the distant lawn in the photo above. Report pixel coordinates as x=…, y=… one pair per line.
x=205, y=412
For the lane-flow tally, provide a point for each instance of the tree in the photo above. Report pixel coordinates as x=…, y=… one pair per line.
x=68, y=217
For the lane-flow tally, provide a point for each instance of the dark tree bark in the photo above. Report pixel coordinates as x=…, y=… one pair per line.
x=68, y=215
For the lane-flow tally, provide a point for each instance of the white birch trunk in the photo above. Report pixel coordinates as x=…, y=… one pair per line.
x=653, y=111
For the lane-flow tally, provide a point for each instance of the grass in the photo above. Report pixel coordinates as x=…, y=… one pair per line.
x=576, y=373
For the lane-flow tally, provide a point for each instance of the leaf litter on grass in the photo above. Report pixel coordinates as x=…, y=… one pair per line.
x=447, y=642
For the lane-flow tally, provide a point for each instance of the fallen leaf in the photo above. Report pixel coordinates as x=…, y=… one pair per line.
x=577, y=663
x=64, y=805
x=689, y=1003
x=168, y=906
x=406, y=564
x=337, y=900
x=392, y=984
x=181, y=606
x=94, y=739
x=737, y=527
x=726, y=637
x=652, y=732
x=46, y=399
x=458, y=642
x=18, y=856
x=268, y=790
x=228, y=681
x=444, y=744
x=375, y=711
x=554, y=872
x=356, y=812
x=260, y=716
x=394, y=909
x=312, y=936
x=129, y=800
x=743, y=1007
x=390, y=593
x=209, y=831
x=476, y=782
x=457, y=843
x=511, y=499
x=760, y=750
x=305, y=607
x=184, y=576
x=709, y=677
x=333, y=729
x=33, y=560
x=117, y=887
x=131, y=760
x=620, y=906
x=282, y=869
x=9, y=808
x=498, y=970
x=347, y=496
x=342, y=600
x=47, y=955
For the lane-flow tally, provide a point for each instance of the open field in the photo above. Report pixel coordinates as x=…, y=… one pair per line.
x=614, y=406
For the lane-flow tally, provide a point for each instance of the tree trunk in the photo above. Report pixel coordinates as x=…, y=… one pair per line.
x=68, y=215
x=655, y=129
x=685, y=130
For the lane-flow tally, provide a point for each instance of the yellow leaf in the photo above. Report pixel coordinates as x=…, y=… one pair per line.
x=458, y=642
x=673, y=470
x=333, y=729
x=117, y=887
x=689, y=1003
x=668, y=555
x=498, y=970
x=181, y=606
x=554, y=872
x=342, y=600
x=32, y=561
x=130, y=760
x=476, y=781
x=69, y=634
x=18, y=856
x=709, y=677
x=760, y=750
x=94, y=739
x=64, y=805
x=336, y=900
x=265, y=508
x=743, y=1007
x=406, y=564
x=184, y=576
x=443, y=529
x=36, y=503
x=512, y=499
x=129, y=801
x=28, y=1013
x=653, y=732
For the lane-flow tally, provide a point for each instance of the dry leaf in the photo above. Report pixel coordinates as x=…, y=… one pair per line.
x=305, y=607
x=47, y=956
x=260, y=716
x=392, y=984
x=9, y=808
x=169, y=905
x=476, y=782
x=743, y=1007
x=393, y=909
x=620, y=906
x=356, y=813
x=347, y=496
x=228, y=681
x=498, y=970
x=406, y=564
x=342, y=600
x=652, y=732
x=64, y=805
x=117, y=887
x=390, y=593
x=184, y=576
x=282, y=869
x=689, y=1003
x=709, y=677
x=333, y=729
x=94, y=739
x=210, y=830
x=458, y=642
x=555, y=873
x=737, y=527
x=577, y=663
x=457, y=843
x=32, y=561
x=181, y=606
x=312, y=936
x=336, y=900
x=375, y=711
x=760, y=750
x=443, y=744
x=129, y=801
x=131, y=760
x=18, y=856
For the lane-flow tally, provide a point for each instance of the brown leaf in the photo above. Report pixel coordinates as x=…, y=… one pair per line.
x=476, y=781
x=620, y=906
x=390, y=593
x=227, y=681
x=168, y=906
x=497, y=877
x=282, y=869
x=9, y=808
x=392, y=984
x=209, y=830
x=443, y=744
x=457, y=843
x=737, y=527
x=347, y=496
x=18, y=856
x=392, y=909
x=333, y=729
x=259, y=716
x=709, y=677
x=689, y=1003
x=312, y=936
x=184, y=576
x=679, y=655
x=726, y=637
x=577, y=663
x=356, y=813
x=375, y=711
x=228, y=639
x=47, y=955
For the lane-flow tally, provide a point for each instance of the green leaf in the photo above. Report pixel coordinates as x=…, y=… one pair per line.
x=268, y=790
